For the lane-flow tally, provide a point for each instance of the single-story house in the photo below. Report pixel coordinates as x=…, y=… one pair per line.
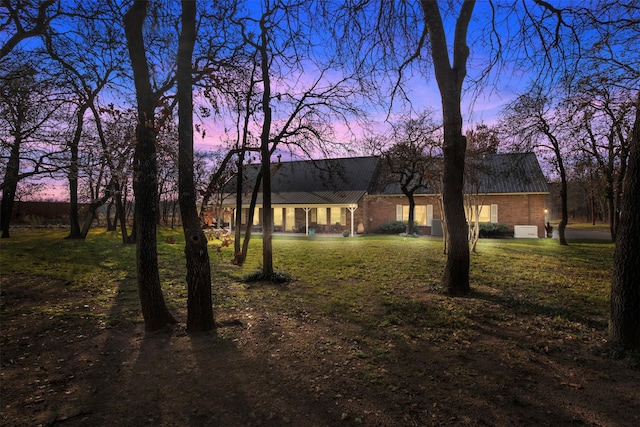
x=332, y=195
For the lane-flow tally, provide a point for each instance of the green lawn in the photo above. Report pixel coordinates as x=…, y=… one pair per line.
x=362, y=335
x=371, y=281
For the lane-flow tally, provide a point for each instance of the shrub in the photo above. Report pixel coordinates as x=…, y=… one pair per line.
x=493, y=230
x=393, y=227
x=396, y=227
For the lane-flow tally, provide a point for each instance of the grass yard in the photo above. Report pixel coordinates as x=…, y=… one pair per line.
x=361, y=336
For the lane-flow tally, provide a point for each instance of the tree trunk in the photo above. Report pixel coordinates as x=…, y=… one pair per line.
x=199, y=304
x=450, y=78
x=564, y=211
x=145, y=184
x=443, y=222
x=624, y=321
x=74, y=219
x=456, y=273
x=238, y=259
x=412, y=207
x=121, y=215
x=111, y=225
x=474, y=207
x=93, y=207
x=11, y=174
x=611, y=208
x=267, y=214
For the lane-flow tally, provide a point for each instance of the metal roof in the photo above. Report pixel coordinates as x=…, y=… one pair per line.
x=344, y=181
x=504, y=173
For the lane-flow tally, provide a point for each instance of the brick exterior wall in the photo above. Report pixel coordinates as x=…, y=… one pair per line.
x=375, y=210
x=513, y=209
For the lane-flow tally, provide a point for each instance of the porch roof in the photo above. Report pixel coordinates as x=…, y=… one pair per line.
x=306, y=199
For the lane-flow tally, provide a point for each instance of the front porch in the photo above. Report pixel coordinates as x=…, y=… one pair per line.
x=304, y=219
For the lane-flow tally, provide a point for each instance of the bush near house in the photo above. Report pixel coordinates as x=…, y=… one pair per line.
x=494, y=230
x=395, y=227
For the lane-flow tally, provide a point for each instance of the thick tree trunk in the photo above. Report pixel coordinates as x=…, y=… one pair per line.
x=456, y=273
x=199, y=304
x=624, y=321
x=450, y=77
x=145, y=184
x=11, y=174
x=74, y=218
x=267, y=213
x=6, y=208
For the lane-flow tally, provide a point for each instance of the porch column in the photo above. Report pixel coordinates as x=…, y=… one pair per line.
x=352, y=210
x=306, y=220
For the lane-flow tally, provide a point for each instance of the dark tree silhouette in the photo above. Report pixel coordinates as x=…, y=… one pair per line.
x=199, y=305
x=624, y=321
x=145, y=183
x=450, y=75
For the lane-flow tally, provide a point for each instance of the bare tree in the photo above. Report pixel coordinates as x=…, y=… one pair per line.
x=151, y=93
x=450, y=75
x=117, y=141
x=431, y=39
x=199, y=305
x=607, y=48
x=604, y=115
x=28, y=104
x=410, y=161
x=21, y=20
x=154, y=309
x=625, y=291
x=615, y=55
x=299, y=111
x=538, y=123
x=88, y=61
x=480, y=142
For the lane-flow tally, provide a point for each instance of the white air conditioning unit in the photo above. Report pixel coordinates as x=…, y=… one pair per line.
x=525, y=231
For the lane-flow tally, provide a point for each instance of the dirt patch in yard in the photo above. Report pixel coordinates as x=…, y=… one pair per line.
x=68, y=362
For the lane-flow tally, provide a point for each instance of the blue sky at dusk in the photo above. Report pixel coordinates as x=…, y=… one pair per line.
x=480, y=104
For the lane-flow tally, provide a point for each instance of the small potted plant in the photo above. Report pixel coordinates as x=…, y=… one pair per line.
x=346, y=233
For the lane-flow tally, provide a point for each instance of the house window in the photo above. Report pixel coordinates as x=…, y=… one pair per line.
x=334, y=215
x=314, y=215
x=245, y=214
x=343, y=216
x=290, y=218
x=488, y=213
x=422, y=214
x=277, y=217
x=322, y=216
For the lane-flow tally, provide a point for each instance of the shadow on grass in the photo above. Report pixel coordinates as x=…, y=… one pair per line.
x=521, y=306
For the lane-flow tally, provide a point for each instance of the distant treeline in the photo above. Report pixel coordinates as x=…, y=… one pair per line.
x=41, y=210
